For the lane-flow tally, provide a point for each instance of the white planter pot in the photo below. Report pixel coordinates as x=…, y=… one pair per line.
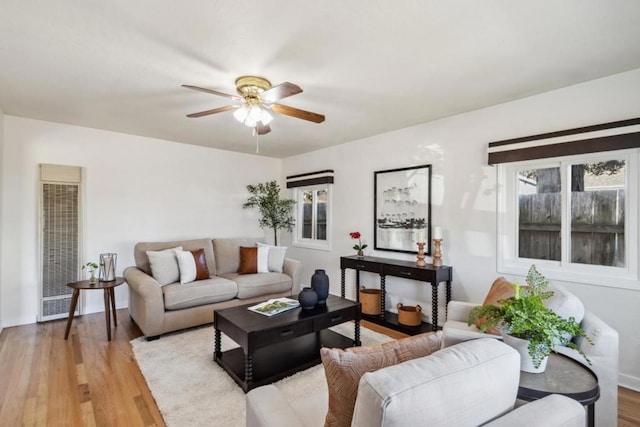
x=526, y=364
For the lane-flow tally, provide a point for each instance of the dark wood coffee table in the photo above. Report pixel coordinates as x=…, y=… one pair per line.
x=272, y=348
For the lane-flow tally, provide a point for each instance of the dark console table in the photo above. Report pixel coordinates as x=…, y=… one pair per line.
x=398, y=268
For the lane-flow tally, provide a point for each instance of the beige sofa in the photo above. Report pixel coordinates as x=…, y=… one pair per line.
x=472, y=383
x=161, y=309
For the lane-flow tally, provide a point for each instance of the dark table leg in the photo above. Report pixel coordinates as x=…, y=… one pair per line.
x=357, y=333
x=383, y=293
x=434, y=305
x=342, y=283
x=248, y=369
x=591, y=415
x=107, y=315
x=357, y=285
x=112, y=296
x=72, y=309
x=217, y=351
x=448, y=299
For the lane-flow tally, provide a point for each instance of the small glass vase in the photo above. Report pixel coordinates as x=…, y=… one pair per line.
x=360, y=253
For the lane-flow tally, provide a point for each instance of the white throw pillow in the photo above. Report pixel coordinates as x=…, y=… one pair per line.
x=565, y=304
x=263, y=259
x=164, y=265
x=276, y=257
x=187, y=266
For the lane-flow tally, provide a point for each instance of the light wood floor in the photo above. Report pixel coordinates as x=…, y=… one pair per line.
x=87, y=381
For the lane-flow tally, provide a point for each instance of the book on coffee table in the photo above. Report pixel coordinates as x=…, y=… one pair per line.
x=275, y=306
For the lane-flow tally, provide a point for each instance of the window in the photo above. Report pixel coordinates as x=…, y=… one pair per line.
x=576, y=215
x=313, y=217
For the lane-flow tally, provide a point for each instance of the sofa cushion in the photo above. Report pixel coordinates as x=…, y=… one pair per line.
x=164, y=265
x=193, y=265
x=208, y=291
x=248, y=260
x=565, y=304
x=275, y=257
x=344, y=368
x=500, y=289
x=227, y=253
x=465, y=385
x=254, y=260
x=142, y=260
x=253, y=285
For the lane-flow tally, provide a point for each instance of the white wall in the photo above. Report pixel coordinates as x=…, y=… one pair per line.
x=134, y=189
x=1, y=204
x=464, y=195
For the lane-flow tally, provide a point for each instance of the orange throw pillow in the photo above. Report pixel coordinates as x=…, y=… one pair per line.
x=248, y=260
x=500, y=289
x=343, y=369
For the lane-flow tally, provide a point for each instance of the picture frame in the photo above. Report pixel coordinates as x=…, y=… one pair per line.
x=402, y=209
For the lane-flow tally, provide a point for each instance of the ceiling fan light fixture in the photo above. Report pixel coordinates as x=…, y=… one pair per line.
x=241, y=113
x=250, y=115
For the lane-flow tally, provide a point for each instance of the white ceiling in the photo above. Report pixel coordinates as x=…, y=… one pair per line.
x=370, y=66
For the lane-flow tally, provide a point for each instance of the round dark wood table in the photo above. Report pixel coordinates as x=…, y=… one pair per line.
x=565, y=376
x=109, y=300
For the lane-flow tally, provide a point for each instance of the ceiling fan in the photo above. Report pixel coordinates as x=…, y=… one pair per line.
x=258, y=98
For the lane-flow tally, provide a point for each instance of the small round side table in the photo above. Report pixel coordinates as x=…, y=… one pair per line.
x=109, y=300
x=565, y=376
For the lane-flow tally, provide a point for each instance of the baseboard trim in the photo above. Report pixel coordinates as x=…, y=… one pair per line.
x=627, y=381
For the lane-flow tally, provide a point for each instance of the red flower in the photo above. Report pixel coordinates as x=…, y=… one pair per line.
x=359, y=246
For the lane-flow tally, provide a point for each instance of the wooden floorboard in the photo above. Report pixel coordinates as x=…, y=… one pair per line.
x=83, y=381
x=88, y=381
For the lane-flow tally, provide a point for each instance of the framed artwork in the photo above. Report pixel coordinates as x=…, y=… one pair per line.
x=402, y=209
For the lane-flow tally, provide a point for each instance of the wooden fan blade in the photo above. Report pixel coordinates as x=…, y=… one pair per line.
x=280, y=91
x=213, y=92
x=214, y=111
x=262, y=129
x=297, y=113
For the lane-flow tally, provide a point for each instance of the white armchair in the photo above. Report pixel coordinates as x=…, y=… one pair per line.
x=474, y=383
x=603, y=353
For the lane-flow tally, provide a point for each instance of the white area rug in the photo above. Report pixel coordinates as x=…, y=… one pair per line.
x=192, y=390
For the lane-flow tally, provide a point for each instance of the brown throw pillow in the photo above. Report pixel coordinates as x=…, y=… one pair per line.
x=343, y=369
x=192, y=265
x=248, y=260
x=202, y=271
x=500, y=289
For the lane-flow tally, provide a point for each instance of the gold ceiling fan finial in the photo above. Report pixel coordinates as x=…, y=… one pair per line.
x=252, y=85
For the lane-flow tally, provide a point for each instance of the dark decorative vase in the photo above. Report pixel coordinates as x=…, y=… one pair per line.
x=308, y=298
x=320, y=284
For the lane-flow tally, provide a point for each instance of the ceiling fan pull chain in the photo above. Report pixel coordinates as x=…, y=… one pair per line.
x=257, y=139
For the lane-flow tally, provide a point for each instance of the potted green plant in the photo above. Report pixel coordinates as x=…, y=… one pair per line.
x=92, y=267
x=524, y=316
x=275, y=212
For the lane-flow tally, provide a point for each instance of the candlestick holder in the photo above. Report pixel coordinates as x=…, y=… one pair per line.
x=420, y=262
x=437, y=253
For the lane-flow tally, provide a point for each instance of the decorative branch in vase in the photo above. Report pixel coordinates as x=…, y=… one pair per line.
x=92, y=267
